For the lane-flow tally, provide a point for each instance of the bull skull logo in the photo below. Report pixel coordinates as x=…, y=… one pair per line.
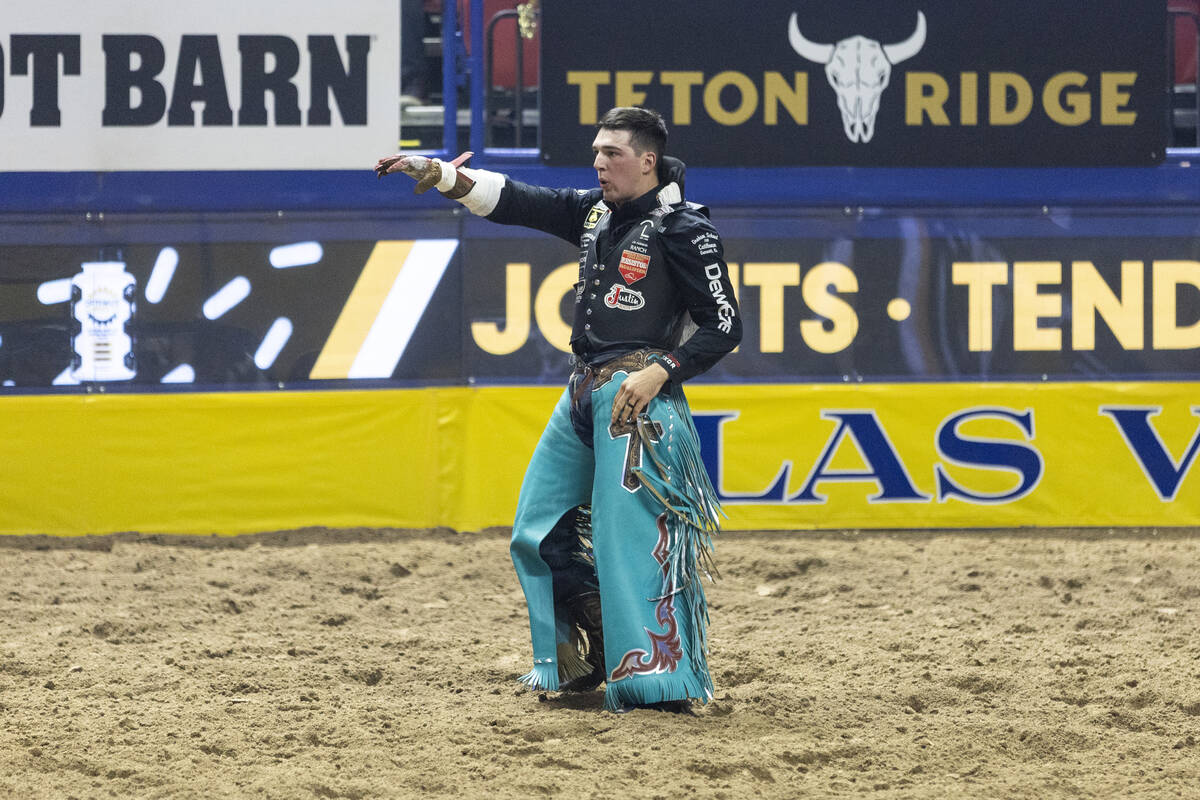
x=858, y=69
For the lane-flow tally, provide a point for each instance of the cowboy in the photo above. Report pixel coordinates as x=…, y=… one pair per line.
x=654, y=306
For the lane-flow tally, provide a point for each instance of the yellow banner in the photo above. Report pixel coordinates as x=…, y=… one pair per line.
x=218, y=463
x=782, y=457
x=953, y=455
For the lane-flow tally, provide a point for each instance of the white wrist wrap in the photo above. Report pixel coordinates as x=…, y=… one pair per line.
x=448, y=176
x=485, y=194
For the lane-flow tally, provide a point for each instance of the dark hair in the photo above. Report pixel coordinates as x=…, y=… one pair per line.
x=647, y=129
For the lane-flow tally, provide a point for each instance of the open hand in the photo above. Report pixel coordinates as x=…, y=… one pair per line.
x=425, y=171
x=401, y=162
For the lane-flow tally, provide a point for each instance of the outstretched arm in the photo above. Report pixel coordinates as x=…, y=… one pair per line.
x=559, y=212
x=478, y=190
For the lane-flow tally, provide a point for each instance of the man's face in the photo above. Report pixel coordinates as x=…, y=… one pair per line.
x=623, y=174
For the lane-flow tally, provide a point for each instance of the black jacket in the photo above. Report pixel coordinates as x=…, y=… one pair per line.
x=625, y=298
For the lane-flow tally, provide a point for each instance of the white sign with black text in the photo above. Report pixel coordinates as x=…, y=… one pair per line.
x=197, y=84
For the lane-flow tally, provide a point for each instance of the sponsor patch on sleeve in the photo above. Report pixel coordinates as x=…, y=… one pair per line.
x=592, y=218
x=707, y=244
x=725, y=310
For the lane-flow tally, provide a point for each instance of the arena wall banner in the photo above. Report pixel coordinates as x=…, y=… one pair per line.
x=864, y=83
x=904, y=368
x=197, y=84
x=887, y=296
x=783, y=456
x=229, y=302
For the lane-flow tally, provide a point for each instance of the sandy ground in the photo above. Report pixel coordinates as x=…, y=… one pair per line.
x=382, y=664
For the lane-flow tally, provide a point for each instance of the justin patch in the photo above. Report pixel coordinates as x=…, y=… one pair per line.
x=633, y=266
x=624, y=298
x=592, y=218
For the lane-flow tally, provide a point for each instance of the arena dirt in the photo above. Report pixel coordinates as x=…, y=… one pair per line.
x=368, y=664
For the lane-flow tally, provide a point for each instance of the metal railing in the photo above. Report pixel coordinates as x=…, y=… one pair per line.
x=518, y=114
x=458, y=61
x=1183, y=101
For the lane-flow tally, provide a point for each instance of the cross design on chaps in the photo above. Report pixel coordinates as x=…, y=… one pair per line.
x=633, y=449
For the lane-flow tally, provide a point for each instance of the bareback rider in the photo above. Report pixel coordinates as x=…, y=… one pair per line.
x=654, y=306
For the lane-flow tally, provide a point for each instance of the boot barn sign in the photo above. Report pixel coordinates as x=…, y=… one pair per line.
x=196, y=85
x=862, y=82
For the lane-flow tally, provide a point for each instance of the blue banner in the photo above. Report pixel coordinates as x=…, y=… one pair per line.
x=254, y=302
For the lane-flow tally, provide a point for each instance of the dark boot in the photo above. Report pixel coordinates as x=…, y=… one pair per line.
x=669, y=706
x=584, y=609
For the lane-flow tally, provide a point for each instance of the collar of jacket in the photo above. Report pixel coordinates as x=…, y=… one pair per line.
x=663, y=195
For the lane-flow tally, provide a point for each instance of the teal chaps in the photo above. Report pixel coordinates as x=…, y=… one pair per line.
x=653, y=513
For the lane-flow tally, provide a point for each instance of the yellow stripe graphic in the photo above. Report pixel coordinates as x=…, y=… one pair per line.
x=361, y=309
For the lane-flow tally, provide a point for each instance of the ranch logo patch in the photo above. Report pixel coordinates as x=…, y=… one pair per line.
x=592, y=218
x=707, y=243
x=633, y=266
x=624, y=298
